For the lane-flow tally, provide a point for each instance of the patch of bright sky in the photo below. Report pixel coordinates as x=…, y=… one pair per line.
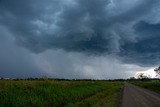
x=149, y=72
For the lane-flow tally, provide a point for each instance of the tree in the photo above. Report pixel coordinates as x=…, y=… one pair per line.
x=132, y=78
x=143, y=76
x=157, y=70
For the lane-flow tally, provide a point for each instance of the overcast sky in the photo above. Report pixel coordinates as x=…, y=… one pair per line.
x=93, y=39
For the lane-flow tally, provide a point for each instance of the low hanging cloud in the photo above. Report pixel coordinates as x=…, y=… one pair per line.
x=14, y=60
x=62, y=64
x=94, y=32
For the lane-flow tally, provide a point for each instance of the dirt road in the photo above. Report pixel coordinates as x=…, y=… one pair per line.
x=134, y=96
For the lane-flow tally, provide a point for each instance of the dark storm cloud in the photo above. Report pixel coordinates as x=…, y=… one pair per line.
x=15, y=61
x=147, y=48
x=86, y=26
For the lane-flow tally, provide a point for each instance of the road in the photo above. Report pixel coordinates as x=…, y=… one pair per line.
x=134, y=96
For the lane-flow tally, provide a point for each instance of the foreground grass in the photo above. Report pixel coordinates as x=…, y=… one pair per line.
x=151, y=85
x=59, y=93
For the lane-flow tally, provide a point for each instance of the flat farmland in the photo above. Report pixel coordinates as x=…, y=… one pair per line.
x=54, y=93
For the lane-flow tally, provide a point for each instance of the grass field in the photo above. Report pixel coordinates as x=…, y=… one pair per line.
x=52, y=93
x=151, y=85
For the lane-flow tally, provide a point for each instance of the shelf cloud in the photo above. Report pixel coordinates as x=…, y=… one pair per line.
x=79, y=38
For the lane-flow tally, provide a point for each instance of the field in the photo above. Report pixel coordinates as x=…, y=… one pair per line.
x=53, y=93
x=151, y=85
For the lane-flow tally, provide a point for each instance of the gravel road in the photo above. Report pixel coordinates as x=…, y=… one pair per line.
x=134, y=96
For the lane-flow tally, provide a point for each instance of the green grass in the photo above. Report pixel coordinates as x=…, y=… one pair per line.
x=59, y=93
x=151, y=85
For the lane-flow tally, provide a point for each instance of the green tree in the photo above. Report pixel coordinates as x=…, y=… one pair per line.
x=157, y=70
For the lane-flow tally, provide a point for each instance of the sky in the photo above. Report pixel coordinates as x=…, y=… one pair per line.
x=79, y=39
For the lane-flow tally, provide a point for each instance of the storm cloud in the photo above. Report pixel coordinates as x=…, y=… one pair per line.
x=126, y=31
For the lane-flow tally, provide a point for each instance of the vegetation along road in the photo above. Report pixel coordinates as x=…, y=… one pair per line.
x=134, y=96
x=79, y=93
x=53, y=93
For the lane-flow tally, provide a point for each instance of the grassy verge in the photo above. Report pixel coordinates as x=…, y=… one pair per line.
x=151, y=85
x=107, y=98
x=58, y=93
